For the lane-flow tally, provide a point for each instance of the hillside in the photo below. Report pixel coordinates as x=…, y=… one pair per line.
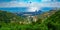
x=7, y=17
x=53, y=22
x=45, y=15
x=10, y=21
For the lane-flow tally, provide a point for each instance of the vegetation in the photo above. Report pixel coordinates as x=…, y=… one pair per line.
x=10, y=21
x=53, y=22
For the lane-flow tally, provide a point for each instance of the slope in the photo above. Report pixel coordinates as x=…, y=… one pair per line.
x=53, y=22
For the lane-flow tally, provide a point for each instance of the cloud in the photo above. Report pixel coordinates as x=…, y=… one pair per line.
x=46, y=0
x=13, y=4
x=32, y=6
x=32, y=9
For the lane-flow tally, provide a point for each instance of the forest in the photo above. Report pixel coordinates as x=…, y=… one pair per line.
x=46, y=21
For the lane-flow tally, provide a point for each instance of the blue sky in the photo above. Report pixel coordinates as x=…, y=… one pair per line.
x=31, y=5
x=20, y=0
x=24, y=0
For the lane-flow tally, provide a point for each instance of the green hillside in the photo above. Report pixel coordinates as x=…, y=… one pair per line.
x=53, y=22
x=10, y=21
x=7, y=17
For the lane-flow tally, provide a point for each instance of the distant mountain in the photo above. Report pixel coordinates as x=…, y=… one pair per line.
x=34, y=13
x=30, y=13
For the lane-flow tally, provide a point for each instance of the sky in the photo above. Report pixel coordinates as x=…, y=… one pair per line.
x=28, y=5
